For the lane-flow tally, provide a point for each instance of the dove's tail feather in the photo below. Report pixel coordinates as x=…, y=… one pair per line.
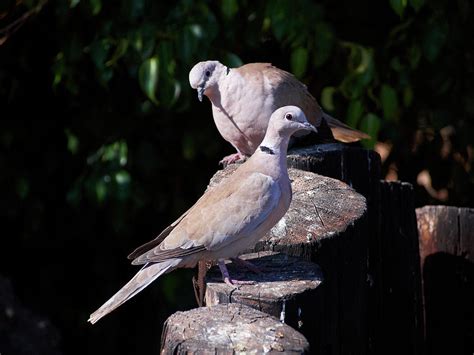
x=343, y=132
x=149, y=273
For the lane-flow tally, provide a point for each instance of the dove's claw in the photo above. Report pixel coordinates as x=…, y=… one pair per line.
x=231, y=159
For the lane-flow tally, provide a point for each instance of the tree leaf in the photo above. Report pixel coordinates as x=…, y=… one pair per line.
x=434, y=39
x=417, y=4
x=388, y=97
x=324, y=42
x=229, y=8
x=398, y=6
x=96, y=6
x=327, y=98
x=370, y=124
x=299, y=61
x=232, y=60
x=354, y=112
x=148, y=77
x=408, y=96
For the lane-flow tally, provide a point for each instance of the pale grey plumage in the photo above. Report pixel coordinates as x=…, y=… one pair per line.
x=228, y=218
x=243, y=99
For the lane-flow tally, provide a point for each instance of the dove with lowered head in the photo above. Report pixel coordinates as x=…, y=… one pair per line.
x=244, y=98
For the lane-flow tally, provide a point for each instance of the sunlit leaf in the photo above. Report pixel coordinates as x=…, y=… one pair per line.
x=148, y=77
x=122, y=177
x=72, y=141
x=100, y=191
x=389, y=100
x=354, y=112
x=362, y=69
x=73, y=3
x=370, y=124
x=59, y=68
x=299, y=61
x=120, y=50
x=327, y=98
x=399, y=6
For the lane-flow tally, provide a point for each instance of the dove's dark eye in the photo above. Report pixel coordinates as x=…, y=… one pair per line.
x=208, y=73
x=289, y=116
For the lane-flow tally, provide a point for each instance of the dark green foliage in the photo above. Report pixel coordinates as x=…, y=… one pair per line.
x=103, y=142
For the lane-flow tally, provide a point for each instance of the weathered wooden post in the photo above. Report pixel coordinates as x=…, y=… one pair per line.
x=370, y=293
x=321, y=209
x=229, y=329
x=447, y=259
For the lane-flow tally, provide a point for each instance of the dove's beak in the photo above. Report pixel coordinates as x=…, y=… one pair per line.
x=200, y=91
x=309, y=127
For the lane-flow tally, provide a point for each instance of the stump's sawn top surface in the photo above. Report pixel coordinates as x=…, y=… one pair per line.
x=231, y=328
x=321, y=207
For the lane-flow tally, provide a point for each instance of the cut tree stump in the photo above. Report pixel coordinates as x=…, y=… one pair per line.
x=284, y=289
x=229, y=329
x=323, y=224
x=366, y=246
x=321, y=207
x=447, y=259
x=395, y=266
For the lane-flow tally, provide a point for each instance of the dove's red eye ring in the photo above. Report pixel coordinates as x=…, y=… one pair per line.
x=289, y=116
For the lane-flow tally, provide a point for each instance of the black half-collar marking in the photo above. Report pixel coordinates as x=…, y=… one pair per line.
x=266, y=150
x=228, y=71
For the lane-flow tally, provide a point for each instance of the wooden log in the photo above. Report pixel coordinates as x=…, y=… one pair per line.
x=285, y=288
x=346, y=324
x=358, y=167
x=447, y=259
x=229, y=329
x=396, y=291
x=321, y=208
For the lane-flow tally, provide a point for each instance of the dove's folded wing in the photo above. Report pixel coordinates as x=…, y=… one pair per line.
x=227, y=214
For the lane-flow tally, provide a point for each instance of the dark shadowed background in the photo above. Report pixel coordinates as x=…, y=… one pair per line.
x=103, y=143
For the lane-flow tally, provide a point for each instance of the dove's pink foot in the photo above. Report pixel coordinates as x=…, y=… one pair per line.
x=226, y=276
x=247, y=264
x=231, y=159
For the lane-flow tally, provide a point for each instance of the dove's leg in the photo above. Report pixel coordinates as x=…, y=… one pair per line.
x=226, y=276
x=233, y=158
x=247, y=264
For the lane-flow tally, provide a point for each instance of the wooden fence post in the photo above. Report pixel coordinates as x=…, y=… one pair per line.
x=447, y=259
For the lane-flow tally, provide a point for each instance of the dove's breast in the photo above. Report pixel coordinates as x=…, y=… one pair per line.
x=245, y=107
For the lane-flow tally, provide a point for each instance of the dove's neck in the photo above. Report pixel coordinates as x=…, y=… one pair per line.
x=275, y=146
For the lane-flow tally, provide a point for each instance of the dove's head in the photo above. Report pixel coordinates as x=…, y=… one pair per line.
x=205, y=75
x=289, y=119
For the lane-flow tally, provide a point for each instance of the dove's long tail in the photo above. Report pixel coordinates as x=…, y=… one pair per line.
x=343, y=132
x=149, y=273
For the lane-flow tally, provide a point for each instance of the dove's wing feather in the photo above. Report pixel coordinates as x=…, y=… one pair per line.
x=227, y=214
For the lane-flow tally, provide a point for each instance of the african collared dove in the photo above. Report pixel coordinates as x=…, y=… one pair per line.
x=228, y=218
x=244, y=98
